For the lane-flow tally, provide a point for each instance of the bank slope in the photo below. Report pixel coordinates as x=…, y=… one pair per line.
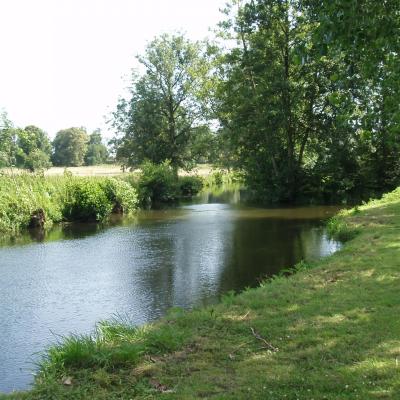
x=330, y=332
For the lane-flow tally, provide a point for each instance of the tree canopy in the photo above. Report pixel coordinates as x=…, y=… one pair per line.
x=309, y=97
x=70, y=146
x=164, y=110
x=28, y=148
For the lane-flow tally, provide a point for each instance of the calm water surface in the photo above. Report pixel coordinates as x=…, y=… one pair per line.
x=139, y=268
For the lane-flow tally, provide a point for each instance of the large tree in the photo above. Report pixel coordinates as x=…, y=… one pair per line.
x=24, y=148
x=164, y=109
x=363, y=34
x=309, y=99
x=70, y=146
x=269, y=106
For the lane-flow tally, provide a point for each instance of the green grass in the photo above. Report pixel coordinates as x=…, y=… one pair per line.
x=61, y=198
x=329, y=331
x=86, y=198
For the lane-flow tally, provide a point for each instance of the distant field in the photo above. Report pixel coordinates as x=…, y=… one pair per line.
x=104, y=170
x=95, y=170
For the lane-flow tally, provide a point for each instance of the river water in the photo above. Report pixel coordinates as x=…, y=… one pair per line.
x=137, y=268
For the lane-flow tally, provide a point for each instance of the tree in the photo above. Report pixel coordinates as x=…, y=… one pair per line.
x=364, y=35
x=34, y=148
x=165, y=106
x=8, y=146
x=97, y=152
x=309, y=97
x=269, y=108
x=70, y=146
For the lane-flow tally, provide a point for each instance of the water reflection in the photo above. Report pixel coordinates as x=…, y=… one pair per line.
x=79, y=274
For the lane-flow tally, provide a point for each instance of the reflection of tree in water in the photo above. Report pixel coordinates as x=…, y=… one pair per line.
x=194, y=260
x=262, y=247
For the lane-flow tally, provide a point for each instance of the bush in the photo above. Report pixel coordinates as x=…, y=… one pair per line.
x=21, y=196
x=221, y=177
x=158, y=183
x=190, y=185
x=121, y=194
x=86, y=200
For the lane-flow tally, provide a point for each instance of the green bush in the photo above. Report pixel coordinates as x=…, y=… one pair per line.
x=220, y=177
x=217, y=177
x=158, y=183
x=71, y=198
x=190, y=185
x=121, y=194
x=86, y=200
x=23, y=195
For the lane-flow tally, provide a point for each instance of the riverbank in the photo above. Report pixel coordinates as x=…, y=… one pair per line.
x=29, y=200
x=331, y=332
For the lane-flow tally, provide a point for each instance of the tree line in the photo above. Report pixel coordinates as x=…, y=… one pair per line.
x=302, y=96
x=31, y=148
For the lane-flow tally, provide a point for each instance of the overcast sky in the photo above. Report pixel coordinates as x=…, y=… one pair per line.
x=63, y=61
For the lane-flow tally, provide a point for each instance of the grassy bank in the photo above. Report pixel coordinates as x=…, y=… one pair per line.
x=37, y=201
x=329, y=332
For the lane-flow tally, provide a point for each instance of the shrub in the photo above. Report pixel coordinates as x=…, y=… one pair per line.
x=86, y=200
x=121, y=194
x=190, y=185
x=217, y=178
x=23, y=195
x=158, y=183
x=221, y=177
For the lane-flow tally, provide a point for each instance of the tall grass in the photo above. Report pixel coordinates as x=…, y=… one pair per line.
x=61, y=198
x=112, y=345
x=74, y=198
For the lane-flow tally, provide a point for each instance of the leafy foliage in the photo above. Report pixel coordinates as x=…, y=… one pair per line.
x=34, y=148
x=97, y=152
x=70, y=146
x=121, y=194
x=309, y=97
x=158, y=183
x=86, y=200
x=190, y=185
x=164, y=112
x=22, y=195
x=64, y=198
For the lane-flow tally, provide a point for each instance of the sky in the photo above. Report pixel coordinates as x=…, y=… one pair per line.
x=64, y=63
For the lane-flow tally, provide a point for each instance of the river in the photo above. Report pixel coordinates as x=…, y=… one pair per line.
x=137, y=268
